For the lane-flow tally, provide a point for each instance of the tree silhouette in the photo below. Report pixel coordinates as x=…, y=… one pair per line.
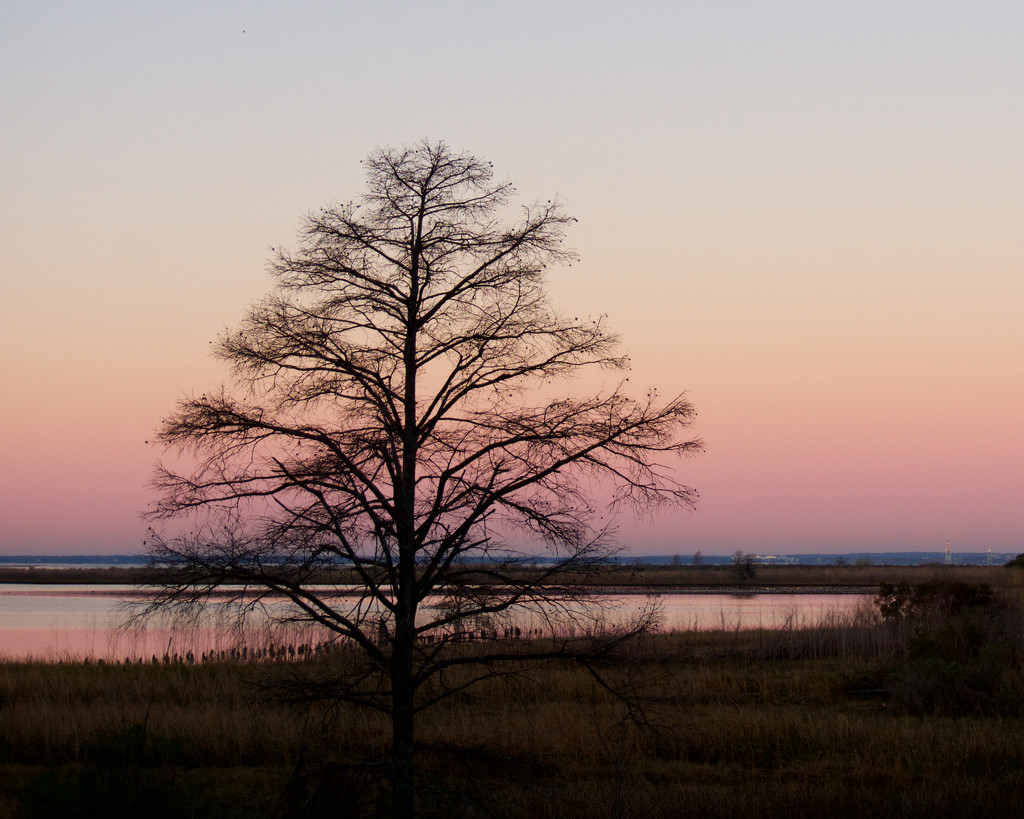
x=393, y=410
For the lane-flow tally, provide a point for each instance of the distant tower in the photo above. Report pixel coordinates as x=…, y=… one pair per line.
x=949, y=555
x=988, y=560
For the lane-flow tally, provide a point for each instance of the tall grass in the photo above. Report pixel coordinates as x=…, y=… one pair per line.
x=814, y=718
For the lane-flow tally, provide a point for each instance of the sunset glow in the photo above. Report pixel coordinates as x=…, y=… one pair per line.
x=808, y=218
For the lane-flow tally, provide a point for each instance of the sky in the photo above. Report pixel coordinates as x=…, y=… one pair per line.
x=806, y=215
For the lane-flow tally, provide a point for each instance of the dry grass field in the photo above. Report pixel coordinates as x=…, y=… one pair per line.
x=917, y=714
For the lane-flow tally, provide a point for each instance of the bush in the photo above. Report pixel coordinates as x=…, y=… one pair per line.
x=963, y=653
x=933, y=597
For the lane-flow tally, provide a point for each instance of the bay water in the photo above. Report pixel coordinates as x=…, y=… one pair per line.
x=61, y=621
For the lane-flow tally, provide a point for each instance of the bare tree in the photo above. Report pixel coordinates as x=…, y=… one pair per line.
x=743, y=565
x=393, y=411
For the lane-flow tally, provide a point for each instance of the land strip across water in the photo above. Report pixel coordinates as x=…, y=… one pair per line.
x=619, y=579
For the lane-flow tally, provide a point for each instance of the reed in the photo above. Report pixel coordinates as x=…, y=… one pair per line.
x=813, y=718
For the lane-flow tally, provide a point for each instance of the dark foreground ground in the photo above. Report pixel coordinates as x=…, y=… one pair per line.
x=915, y=714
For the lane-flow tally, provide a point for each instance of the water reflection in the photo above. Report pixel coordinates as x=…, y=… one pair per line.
x=61, y=621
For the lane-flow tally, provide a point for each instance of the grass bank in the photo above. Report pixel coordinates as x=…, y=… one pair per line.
x=663, y=577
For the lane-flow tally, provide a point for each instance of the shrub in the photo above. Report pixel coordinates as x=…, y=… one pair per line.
x=943, y=597
x=963, y=651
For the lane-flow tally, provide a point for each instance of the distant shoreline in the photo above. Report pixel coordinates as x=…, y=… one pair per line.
x=612, y=579
x=681, y=560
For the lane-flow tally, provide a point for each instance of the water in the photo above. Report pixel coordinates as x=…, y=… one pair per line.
x=52, y=621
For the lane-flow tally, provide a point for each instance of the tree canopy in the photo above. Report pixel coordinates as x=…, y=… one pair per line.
x=397, y=408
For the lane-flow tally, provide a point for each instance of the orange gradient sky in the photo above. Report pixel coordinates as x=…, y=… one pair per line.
x=806, y=214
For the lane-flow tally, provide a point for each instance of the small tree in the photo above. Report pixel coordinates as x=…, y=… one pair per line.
x=382, y=420
x=743, y=565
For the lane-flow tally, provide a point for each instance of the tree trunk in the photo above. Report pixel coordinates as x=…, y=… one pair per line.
x=403, y=803
x=403, y=692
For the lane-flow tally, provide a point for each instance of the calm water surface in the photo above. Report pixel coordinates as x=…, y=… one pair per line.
x=53, y=621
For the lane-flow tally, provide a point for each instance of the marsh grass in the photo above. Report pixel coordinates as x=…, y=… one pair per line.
x=835, y=717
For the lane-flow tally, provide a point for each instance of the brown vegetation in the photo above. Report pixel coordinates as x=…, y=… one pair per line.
x=664, y=577
x=917, y=713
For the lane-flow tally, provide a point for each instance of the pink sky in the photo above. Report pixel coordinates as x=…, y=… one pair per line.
x=807, y=217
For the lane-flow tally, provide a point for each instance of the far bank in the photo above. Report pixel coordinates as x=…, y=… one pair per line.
x=755, y=579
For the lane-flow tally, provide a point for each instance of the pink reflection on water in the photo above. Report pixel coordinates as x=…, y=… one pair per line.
x=55, y=622
x=46, y=644
x=752, y=611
